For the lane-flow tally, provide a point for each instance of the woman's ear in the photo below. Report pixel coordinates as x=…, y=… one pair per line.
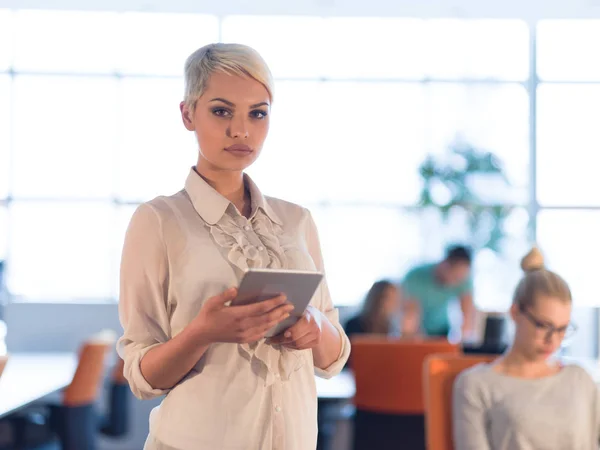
x=186, y=117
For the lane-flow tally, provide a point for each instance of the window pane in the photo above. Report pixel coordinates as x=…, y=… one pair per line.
x=3, y=234
x=384, y=48
x=64, y=136
x=5, y=94
x=354, y=258
x=569, y=240
x=157, y=151
x=370, y=149
x=366, y=152
x=566, y=49
x=497, y=49
x=60, y=251
x=567, y=141
x=159, y=44
x=72, y=41
x=490, y=118
x=291, y=46
x=496, y=274
x=6, y=38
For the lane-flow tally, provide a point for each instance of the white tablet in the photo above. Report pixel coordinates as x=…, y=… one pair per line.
x=262, y=284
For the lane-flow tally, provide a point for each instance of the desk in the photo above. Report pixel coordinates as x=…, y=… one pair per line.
x=29, y=377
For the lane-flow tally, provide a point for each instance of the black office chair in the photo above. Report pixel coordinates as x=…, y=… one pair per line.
x=116, y=422
x=494, y=337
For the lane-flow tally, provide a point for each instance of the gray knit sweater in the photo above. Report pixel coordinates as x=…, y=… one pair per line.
x=492, y=411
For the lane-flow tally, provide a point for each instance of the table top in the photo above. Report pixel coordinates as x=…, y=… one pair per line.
x=29, y=377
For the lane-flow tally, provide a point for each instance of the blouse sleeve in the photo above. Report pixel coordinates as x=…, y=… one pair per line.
x=144, y=281
x=325, y=304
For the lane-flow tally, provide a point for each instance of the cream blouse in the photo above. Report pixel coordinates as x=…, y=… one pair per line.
x=182, y=249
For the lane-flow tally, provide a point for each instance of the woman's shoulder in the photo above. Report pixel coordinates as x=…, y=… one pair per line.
x=287, y=211
x=579, y=374
x=476, y=375
x=163, y=212
x=164, y=205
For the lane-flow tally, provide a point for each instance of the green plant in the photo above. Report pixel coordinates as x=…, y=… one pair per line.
x=450, y=184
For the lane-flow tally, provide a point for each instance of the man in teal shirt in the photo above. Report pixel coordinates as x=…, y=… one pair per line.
x=429, y=289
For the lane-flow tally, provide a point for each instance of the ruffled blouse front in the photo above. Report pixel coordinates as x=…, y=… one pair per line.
x=279, y=362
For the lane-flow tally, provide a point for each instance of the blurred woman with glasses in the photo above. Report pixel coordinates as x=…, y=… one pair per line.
x=526, y=399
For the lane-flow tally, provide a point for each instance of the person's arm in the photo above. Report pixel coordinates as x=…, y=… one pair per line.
x=596, y=396
x=410, y=306
x=468, y=417
x=154, y=360
x=144, y=280
x=410, y=322
x=333, y=350
x=469, y=314
x=319, y=328
x=166, y=364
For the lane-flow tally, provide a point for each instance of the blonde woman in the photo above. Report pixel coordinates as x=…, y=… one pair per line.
x=526, y=400
x=226, y=386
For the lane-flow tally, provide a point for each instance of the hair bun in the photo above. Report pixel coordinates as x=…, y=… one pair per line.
x=534, y=260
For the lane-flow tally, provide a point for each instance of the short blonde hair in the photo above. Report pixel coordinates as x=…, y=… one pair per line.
x=539, y=281
x=233, y=59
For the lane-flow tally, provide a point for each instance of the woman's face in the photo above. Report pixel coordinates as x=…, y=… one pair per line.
x=541, y=328
x=231, y=122
x=390, y=301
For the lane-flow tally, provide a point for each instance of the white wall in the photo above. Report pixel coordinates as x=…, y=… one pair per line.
x=527, y=9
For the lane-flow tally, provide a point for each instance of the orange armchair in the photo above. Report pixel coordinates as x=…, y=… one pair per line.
x=389, y=395
x=439, y=374
x=389, y=373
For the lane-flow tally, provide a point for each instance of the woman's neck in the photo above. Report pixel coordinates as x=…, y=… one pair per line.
x=230, y=185
x=516, y=363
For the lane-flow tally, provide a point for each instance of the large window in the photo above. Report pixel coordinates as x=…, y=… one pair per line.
x=568, y=113
x=357, y=112
x=90, y=127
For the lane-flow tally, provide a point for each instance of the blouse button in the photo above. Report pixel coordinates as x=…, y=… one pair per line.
x=261, y=248
x=247, y=228
x=277, y=409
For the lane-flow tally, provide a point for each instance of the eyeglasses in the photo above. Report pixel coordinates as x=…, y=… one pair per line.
x=548, y=329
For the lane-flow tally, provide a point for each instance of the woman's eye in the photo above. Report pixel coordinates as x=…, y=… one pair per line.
x=259, y=114
x=221, y=112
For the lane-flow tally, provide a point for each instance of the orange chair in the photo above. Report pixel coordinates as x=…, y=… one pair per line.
x=439, y=374
x=85, y=386
x=73, y=421
x=389, y=395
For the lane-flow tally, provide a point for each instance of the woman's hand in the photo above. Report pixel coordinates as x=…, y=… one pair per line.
x=217, y=322
x=306, y=333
